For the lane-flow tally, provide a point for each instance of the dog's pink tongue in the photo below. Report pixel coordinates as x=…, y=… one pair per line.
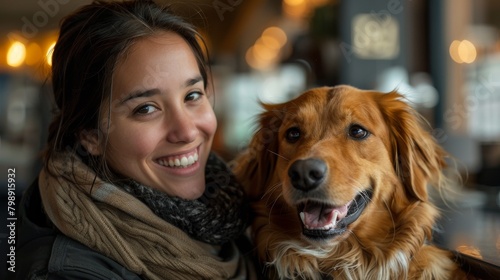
x=322, y=217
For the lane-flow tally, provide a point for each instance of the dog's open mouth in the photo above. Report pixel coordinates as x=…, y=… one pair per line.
x=321, y=220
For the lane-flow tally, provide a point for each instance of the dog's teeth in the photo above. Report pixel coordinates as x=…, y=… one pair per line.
x=334, y=220
x=302, y=217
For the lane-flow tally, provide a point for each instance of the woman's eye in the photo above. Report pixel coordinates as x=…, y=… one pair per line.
x=193, y=96
x=357, y=132
x=292, y=134
x=144, y=110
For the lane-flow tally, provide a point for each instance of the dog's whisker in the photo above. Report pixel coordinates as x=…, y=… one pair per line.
x=278, y=155
x=366, y=196
x=270, y=190
x=275, y=200
x=362, y=191
x=359, y=190
x=269, y=194
x=273, y=204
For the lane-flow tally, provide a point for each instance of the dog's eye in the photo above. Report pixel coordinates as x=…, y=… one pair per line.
x=357, y=132
x=292, y=134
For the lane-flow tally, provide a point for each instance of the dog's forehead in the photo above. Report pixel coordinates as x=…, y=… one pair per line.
x=346, y=96
x=336, y=101
x=313, y=99
x=306, y=105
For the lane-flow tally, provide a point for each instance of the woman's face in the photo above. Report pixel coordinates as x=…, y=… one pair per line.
x=161, y=121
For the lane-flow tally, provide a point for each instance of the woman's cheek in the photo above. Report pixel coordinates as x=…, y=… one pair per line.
x=208, y=121
x=137, y=142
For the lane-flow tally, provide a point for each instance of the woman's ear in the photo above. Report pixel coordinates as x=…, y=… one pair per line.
x=90, y=141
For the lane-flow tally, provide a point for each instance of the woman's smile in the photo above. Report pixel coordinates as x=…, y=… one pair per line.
x=179, y=161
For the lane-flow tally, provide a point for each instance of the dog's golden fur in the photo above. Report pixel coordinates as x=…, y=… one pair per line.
x=370, y=142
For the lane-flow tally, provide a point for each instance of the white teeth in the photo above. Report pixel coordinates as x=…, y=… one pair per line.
x=335, y=214
x=182, y=162
x=326, y=227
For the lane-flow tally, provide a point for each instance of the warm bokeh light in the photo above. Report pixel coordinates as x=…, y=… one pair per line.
x=34, y=54
x=300, y=9
x=467, y=51
x=263, y=52
x=454, y=51
x=463, y=51
x=16, y=54
x=255, y=62
x=294, y=2
x=277, y=33
x=266, y=50
x=50, y=49
x=269, y=42
x=296, y=9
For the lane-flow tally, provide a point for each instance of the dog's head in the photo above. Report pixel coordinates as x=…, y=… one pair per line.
x=331, y=154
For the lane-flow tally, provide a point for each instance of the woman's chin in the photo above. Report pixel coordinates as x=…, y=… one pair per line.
x=190, y=189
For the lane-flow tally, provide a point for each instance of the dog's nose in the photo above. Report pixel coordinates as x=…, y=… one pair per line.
x=307, y=174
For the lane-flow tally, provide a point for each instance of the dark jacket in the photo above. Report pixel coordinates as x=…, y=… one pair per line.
x=43, y=252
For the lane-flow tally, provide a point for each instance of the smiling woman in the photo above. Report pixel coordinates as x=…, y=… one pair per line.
x=169, y=120
x=130, y=185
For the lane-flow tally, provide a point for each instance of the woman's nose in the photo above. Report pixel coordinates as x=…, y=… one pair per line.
x=181, y=127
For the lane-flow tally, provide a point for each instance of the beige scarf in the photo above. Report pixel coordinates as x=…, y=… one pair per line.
x=113, y=222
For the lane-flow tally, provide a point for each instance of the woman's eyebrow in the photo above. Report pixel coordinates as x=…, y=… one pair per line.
x=193, y=81
x=154, y=91
x=139, y=94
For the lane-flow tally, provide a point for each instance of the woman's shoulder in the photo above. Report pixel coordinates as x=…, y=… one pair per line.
x=71, y=259
x=45, y=253
x=34, y=236
x=66, y=258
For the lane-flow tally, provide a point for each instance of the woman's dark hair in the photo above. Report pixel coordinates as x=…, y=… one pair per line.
x=90, y=43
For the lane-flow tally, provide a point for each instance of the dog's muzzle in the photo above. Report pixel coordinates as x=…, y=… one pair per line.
x=321, y=220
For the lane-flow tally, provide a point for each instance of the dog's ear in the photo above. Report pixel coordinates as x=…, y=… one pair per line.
x=254, y=167
x=417, y=157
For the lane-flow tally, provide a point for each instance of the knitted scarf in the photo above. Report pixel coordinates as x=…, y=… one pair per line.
x=150, y=233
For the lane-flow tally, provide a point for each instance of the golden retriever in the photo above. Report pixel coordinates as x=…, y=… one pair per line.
x=338, y=181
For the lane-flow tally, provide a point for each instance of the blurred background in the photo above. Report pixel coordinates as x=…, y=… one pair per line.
x=444, y=55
